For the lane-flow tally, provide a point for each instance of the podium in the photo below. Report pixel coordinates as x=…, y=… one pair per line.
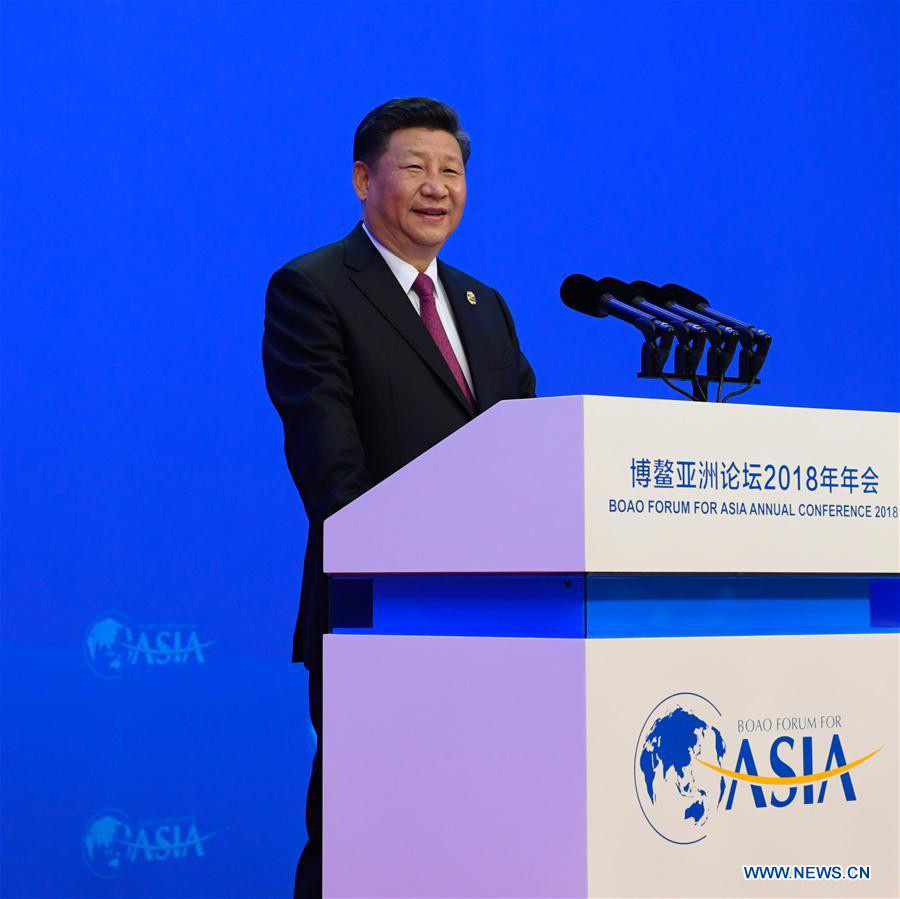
x=596, y=646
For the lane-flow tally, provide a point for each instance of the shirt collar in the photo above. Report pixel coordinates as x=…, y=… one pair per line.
x=403, y=271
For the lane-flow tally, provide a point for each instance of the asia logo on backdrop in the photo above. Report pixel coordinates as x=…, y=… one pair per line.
x=686, y=773
x=113, y=645
x=112, y=842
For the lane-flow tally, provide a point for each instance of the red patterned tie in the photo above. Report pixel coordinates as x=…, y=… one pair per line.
x=424, y=287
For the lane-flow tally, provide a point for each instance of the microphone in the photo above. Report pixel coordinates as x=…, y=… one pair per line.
x=718, y=333
x=723, y=339
x=691, y=336
x=755, y=342
x=584, y=294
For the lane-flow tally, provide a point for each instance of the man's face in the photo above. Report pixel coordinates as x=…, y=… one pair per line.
x=415, y=194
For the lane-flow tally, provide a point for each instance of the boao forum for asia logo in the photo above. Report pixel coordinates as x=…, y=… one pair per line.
x=683, y=780
x=113, y=645
x=112, y=841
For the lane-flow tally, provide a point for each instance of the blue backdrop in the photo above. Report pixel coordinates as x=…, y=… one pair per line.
x=160, y=160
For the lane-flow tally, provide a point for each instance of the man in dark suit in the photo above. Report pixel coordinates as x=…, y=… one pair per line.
x=374, y=351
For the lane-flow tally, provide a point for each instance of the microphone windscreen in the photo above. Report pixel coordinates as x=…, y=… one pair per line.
x=619, y=289
x=579, y=292
x=650, y=292
x=683, y=296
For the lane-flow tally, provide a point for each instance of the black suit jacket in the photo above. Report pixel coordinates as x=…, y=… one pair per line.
x=362, y=388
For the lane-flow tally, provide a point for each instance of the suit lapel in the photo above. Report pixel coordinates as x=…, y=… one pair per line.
x=371, y=274
x=471, y=331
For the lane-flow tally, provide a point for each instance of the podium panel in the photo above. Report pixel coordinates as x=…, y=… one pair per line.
x=473, y=767
x=608, y=484
x=785, y=715
x=454, y=767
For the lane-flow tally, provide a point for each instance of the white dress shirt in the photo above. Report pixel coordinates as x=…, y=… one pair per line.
x=405, y=275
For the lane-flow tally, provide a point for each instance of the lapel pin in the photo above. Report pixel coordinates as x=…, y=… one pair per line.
x=471, y=297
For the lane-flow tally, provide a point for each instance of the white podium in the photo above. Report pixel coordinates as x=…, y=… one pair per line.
x=591, y=646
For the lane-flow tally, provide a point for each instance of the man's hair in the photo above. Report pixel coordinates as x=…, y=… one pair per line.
x=376, y=128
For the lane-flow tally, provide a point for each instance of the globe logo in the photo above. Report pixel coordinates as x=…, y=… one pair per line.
x=677, y=795
x=107, y=643
x=106, y=843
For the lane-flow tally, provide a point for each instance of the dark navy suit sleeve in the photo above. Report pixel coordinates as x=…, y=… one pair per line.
x=309, y=383
x=526, y=379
